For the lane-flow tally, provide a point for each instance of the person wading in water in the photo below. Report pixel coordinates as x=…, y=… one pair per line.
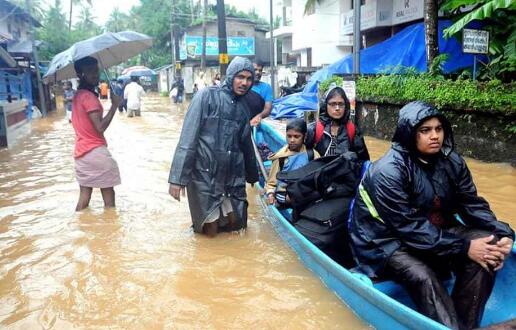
x=214, y=156
x=94, y=166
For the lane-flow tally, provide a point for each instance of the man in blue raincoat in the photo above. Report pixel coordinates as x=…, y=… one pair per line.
x=214, y=157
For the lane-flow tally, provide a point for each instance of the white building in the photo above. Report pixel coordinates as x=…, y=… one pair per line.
x=325, y=35
x=15, y=23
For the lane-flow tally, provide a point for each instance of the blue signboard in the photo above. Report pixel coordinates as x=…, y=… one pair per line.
x=192, y=46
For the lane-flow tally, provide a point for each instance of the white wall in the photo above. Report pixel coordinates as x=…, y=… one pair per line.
x=17, y=24
x=319, y=31
x=3, y=23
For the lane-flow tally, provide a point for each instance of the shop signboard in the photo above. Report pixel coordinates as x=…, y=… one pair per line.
x=192, y=46
x=374, y=14
x=406, y=11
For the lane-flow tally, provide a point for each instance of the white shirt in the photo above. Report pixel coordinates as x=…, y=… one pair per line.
x=133, y=93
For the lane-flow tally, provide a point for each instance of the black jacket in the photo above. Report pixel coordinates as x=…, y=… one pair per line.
x=343, y=142
x=396, y=196
x=214, y=157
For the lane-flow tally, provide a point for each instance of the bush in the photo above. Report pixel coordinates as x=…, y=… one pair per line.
x=491, y=96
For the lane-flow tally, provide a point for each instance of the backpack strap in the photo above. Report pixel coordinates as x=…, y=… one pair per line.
x=319, y=131
x=310, y=154
x=350, y=127
x=281, y=163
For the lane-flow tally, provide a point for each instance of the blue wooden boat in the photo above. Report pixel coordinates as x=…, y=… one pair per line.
x=384, y=305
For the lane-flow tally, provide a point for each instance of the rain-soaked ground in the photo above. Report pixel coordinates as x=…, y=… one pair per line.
x=139, y=265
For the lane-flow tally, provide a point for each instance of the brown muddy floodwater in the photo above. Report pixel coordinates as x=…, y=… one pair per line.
x=139, y=266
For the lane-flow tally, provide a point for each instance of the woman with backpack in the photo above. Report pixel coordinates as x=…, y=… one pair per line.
x=334, y=133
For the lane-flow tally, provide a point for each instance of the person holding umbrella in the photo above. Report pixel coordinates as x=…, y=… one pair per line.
x=94, y=165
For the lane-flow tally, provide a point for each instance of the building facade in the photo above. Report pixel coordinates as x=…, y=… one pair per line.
x=245, y=38
x=325, y=34
x=17, y=86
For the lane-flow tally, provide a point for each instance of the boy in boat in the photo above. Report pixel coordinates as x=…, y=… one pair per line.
x=290, y=157
x=418, y=217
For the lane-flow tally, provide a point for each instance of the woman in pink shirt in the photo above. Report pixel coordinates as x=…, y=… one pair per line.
x=94, y=166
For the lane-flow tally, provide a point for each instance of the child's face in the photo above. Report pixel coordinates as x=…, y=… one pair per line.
x=295, y=140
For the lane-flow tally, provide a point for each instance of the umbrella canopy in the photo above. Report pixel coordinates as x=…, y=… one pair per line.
x=108, y=48
x=138, y=71
x=125, y=78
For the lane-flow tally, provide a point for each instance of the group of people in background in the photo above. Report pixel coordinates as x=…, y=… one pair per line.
x=130, y=92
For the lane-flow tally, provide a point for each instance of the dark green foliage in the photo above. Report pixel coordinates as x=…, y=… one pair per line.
x=491, y=96
x=54, y=32
x=86, y=27
x=500, y=20
x=118, y=21
x=151, y=17
x=325, y=85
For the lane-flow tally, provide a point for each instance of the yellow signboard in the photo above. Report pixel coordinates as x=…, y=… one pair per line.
x=178, y=65
x=223, y=58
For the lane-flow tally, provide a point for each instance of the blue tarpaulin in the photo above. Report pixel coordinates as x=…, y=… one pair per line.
x=406, y=48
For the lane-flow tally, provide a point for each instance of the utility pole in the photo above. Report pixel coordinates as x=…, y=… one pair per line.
x=203, y=49
x=273, y=64
x=36, y=62
x=356, y=38
x=172, y=44
x=223, y=42
x=176, y=39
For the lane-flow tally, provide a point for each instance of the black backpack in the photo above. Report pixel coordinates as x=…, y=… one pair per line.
x=324, y=223
x=323, y=178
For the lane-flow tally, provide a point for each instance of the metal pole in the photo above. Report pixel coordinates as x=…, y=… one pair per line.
x=356, y=37
x=172, y=43
x=203, y=49
x=272, y=59
x=474, y=67
x=36, y=62
x=176, y=41
x=223, y=42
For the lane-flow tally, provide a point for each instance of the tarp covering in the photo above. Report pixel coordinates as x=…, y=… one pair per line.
x=406, y=48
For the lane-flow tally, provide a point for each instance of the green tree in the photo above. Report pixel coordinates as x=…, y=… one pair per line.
x=70, y=12
x=54, y=32
x=118, y=21
x=85, y=27
x=153, y=17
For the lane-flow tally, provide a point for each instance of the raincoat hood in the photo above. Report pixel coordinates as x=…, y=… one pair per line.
x=237, y=64
x=323, y=107
x=410, y=117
